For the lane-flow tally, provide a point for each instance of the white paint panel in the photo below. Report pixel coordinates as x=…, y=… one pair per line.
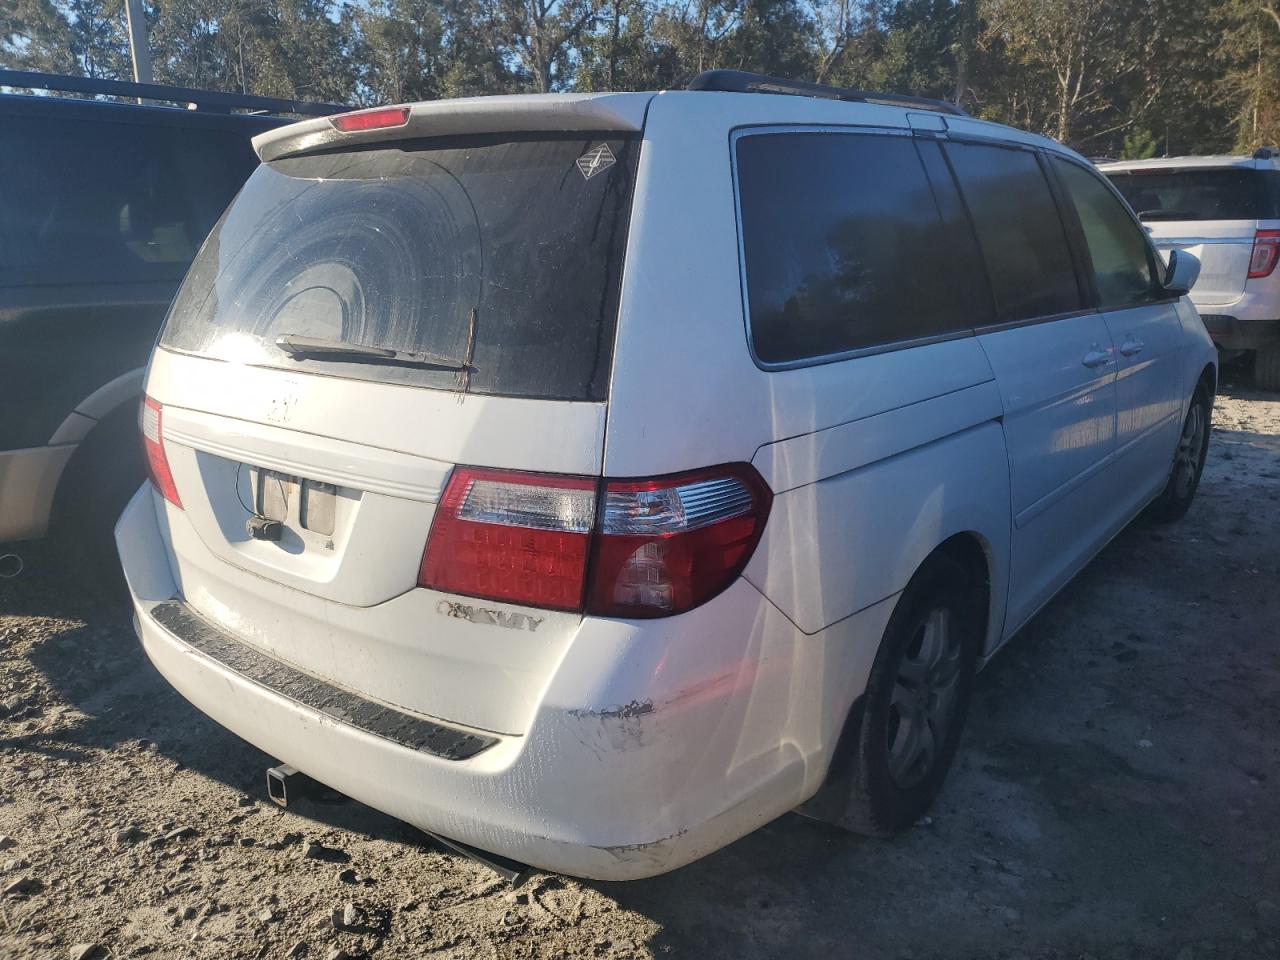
x=436, y=424
x=837, y=546
x=849, y=446
x=685, y=391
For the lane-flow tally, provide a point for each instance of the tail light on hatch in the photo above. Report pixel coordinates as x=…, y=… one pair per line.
x=151, y=420
x=621, y=548
x=1266, y=251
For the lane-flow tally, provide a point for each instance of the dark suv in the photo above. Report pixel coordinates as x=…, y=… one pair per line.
x=104, y=205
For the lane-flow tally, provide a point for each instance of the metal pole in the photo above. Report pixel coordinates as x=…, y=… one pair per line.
x=139, y=50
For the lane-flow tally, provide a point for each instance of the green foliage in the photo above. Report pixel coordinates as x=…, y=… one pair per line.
x=1114, y=77
x=1138, y=144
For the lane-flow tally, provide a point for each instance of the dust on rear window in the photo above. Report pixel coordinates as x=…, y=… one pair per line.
x=1222, y=193
x=507, y=249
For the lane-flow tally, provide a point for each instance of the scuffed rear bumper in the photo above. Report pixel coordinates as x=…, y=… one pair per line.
x=630, y=768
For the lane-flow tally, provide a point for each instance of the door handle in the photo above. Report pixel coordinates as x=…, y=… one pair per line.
x=1131, y=348
x=1096, y=357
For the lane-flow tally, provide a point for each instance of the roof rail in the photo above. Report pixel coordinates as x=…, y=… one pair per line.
x=739, y=81
x=207, y=100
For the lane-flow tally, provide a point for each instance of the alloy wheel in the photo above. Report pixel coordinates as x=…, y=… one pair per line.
x=922, y=705
x=1186, y=461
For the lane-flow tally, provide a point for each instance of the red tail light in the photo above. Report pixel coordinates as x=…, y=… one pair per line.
x=376, y=119
x=653, y=547
x=665, y=546
x=1266, y=251
x=521, y=537
x=152, y=423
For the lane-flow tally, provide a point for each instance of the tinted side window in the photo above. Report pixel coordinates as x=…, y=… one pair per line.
x=1116, y=245
x=87, y=201
x=840, y=234
x=1019, y=230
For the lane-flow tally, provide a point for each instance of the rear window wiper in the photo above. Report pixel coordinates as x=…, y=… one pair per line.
x=300, y=347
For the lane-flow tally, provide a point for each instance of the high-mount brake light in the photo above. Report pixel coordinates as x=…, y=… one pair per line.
x=378, y=118
x=151, y=420
x=622, y=548
x=1266, y=251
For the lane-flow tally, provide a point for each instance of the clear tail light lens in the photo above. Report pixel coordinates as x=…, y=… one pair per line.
x=623, y=548
x=667, y=545
x=151, y=419
x=519, y=537
x=1266, y=251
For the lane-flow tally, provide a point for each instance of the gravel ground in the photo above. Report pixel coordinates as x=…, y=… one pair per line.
x=1115, y=797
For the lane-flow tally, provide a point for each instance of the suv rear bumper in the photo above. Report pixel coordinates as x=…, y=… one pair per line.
x=609, y=782
x=28, y=481
x=1233, y=333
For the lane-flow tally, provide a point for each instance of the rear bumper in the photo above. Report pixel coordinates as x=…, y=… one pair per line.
x=1234, y=333
x=629, y=769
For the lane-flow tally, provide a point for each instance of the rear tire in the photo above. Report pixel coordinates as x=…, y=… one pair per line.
x=916, y=701
x=1266, y=368
x=1188, y=460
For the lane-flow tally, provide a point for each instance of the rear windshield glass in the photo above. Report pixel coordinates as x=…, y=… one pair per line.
x=1225, y=193
x=502, y=250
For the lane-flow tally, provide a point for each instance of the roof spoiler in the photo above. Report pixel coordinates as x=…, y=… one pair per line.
x=210, y=101
x=549, y=113
x=739, y=81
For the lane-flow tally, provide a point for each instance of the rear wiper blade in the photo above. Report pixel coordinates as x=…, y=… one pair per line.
x=299, y=347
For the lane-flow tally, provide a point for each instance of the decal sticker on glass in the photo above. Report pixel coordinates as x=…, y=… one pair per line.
x=597, y=160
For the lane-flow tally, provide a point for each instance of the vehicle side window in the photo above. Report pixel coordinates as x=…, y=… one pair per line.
x=843, y=246
x=93, y=201
x=1021, y=234
x=1121, y=264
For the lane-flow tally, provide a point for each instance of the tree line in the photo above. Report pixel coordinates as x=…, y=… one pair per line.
x=1120, y=78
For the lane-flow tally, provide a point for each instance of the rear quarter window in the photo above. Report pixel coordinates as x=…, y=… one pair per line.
x=843, y=245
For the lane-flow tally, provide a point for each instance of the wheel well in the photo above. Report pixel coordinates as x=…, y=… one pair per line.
x=1208, y=379
x=111, y=444
x=969, y=550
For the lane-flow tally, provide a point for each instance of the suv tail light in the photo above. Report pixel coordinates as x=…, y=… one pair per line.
x=622, y=548
x=152, y=422
x=1266, y=251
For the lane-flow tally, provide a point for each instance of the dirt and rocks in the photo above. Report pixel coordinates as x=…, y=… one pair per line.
x=1117, y=796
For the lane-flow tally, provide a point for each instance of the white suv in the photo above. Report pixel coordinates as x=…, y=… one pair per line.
x=1225, y=211
x=591, y=479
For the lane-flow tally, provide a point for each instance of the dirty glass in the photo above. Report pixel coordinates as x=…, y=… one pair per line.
x=506, y=250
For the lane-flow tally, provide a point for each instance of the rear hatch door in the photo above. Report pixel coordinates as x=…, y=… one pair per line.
x=359, y=323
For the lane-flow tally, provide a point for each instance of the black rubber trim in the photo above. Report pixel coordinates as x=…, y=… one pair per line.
x=417, y=733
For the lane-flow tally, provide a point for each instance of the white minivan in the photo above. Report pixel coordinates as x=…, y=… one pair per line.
x=591, y=479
